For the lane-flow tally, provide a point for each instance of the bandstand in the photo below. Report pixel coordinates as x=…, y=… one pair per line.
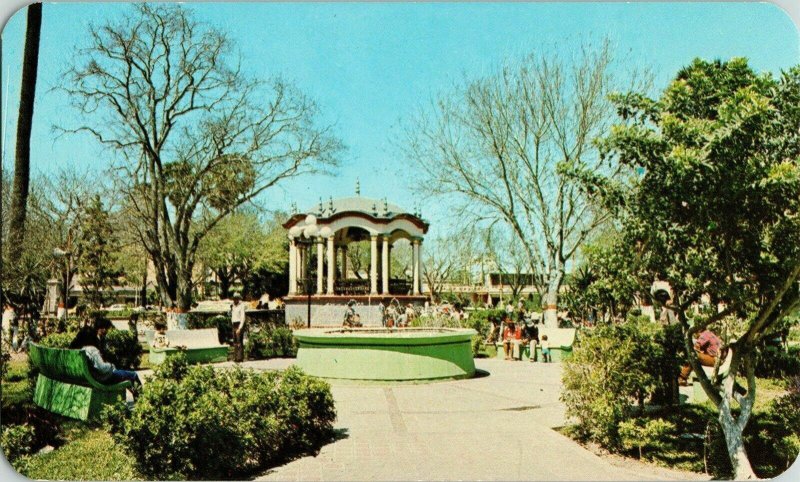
x=318, y=260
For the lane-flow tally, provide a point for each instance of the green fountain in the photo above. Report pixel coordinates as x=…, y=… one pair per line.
x=386, y=354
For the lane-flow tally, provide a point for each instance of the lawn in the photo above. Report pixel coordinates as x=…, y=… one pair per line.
x=696, y=444
x=89, y=454
x=78, y=451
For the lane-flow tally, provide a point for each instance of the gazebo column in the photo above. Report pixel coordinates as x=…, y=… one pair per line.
x=385, y=265
x=373, y=265
x=415, y=264
x=331, y=264
x=419, y=266
x=320, y=265
x=292, y=267
x=344, y=262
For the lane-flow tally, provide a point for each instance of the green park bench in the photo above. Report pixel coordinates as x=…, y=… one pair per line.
x=561, y=342
x=65, y=384
x=202, y=346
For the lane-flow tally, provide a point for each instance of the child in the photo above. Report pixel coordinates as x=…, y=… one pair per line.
x=160, y=338
x=545, y=349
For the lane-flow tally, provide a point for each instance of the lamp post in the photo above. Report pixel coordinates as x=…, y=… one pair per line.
x=61, y=253
x=310, y=232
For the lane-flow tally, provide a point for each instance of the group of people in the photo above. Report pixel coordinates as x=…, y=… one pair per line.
x=516, y=335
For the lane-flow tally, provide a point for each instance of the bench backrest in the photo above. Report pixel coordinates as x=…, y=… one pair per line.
x=60, y=364
x=558, y=336
x=200, y=338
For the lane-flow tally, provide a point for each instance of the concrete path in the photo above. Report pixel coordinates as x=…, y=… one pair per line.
x=496, y=427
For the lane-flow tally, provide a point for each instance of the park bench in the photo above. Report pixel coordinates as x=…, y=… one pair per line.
x=698, y=394
x=561, y=342
x=65, y=384
x=202, y=346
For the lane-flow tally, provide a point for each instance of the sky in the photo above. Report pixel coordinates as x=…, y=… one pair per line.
x=370, y=66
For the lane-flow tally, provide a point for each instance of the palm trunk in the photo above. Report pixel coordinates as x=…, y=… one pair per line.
x=22, y=160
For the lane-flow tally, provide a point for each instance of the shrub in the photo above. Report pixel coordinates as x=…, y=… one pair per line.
x=17, y=441
x=612, y=368
x=774, y=362
x=58, y=340
x=122, y=348
x=639, y=434
x=197, y=423
x=221, y=322
x=271, y=343
x=5, y=359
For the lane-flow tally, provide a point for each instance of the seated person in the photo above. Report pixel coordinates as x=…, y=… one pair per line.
x=351, y=318
x=707, y=346
x=160, y=339
x=494, y=330
x=512, y=336
x=530, y=335
x=88, y=340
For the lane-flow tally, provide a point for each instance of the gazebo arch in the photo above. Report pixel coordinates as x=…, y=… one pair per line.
x=340, y=222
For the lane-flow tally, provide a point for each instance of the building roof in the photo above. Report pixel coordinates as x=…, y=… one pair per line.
x=378, y=208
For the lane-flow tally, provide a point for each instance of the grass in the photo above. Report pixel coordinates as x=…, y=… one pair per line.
x=92, y=454
x=696, y=444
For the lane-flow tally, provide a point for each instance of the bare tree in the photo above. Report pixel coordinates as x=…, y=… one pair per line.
x=505, y=252
x=505, y=148
x=194, y=136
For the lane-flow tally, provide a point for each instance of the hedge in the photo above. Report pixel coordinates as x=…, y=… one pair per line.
x=198, y=423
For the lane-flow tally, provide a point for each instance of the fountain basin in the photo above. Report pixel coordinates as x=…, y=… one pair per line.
x=386, y=354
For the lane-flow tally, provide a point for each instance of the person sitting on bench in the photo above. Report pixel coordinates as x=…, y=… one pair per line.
x=707, y=346
x=512, y=336
x=88, y=340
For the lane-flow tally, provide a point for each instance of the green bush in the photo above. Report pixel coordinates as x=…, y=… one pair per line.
x=197, y=423
x=613, y=370
x=641, y=434
x=271, y=343
x=122, y=348
x=774, y=362
x=5, y=359
x=17, y=441
x=221, y=322
x=58, y=340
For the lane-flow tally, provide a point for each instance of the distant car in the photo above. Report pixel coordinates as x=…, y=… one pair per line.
x=117, y=307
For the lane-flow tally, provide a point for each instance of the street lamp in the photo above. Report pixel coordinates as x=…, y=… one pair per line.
x=60, y=253
x=310, y=231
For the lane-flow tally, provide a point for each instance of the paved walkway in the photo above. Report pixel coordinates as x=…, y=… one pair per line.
x=496, y=427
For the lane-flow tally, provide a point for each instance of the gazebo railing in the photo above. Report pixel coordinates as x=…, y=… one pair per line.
x=301, y=285
x=400, y=286
x=351, y=286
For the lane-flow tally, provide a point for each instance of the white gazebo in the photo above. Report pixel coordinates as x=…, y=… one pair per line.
x=326, y=231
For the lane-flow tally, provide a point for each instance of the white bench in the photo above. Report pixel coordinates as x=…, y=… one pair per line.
x=200, y=346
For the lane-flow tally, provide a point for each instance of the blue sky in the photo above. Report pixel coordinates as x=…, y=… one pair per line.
x=369, y=66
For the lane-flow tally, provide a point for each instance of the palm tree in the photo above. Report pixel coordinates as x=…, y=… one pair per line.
x=19, y=198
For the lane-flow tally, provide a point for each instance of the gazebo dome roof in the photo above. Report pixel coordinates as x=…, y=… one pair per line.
x=373, y=207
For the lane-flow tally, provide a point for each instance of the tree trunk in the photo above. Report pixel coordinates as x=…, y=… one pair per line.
x=224, y=283
x=22, y=160
x=734, y=442
x=550, y=300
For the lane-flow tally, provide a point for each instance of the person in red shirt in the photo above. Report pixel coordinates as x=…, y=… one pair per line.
x=512, y=337
x=707, y=347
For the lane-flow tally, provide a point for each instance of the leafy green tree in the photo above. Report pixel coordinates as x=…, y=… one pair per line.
x=715, y=209
x=96, y=248
x=240, y=245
